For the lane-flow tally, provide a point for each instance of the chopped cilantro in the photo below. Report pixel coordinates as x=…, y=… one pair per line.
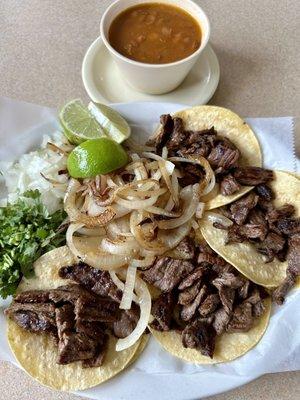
x=27, y=231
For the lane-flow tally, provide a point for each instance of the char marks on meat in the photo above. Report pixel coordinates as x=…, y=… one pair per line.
x=273, y=231
x=167, y=272
x=242, y=319
x=294, y=255
x=252, y=176
x=209, y=305
x=188, y=294
x=200, y=335
x=78, y=316
x=272, y=245
x=33, y=317
x=229, y=185
x=188, y=311
x=207, y=299
x=223, y=156
x=241, y=208
x=289, y=226
x=187, y=248
x=293, y=270
x=92, y=279
x=162, y=311
x=126, y=322
x=220, y=152
x=265, y=192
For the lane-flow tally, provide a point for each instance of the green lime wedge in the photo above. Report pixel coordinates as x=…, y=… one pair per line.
x=96, y=156
x=78, y=123
x=114, y=125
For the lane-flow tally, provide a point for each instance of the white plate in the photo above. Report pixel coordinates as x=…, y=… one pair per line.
x=157, y=374
x=104, y=83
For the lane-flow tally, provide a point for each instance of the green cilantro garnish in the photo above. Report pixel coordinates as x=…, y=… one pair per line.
x=27, y=231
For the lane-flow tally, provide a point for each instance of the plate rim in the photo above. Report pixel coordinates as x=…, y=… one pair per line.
x=97, y=96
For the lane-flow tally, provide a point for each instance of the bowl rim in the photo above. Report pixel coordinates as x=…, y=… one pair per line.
x=148, y=65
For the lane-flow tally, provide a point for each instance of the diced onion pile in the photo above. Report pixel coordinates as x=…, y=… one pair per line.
x=135, y=215
x=44, y=170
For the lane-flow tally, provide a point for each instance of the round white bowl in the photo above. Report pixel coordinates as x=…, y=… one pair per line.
x=154, y=78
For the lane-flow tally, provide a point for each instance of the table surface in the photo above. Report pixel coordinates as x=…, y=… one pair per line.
x=42, y=44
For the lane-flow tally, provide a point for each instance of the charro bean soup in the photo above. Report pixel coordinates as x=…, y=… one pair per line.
x=155, y=33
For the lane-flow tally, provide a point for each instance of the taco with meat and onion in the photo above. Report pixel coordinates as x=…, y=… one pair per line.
x=215, y=135
x=64, y=323
x=206, y=312
x=260, y=233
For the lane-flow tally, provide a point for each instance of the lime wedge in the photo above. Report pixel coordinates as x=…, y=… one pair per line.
x=96, y=156
x=78, y=123
x=114, y=125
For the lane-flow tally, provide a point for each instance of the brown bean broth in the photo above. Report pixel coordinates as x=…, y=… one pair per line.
x=155, y=33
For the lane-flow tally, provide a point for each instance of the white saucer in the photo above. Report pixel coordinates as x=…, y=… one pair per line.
x=104, y=83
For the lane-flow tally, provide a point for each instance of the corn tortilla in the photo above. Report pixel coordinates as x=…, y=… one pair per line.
x=37, y=353
x=231, y=126
x=244, y=256
x=229, y=346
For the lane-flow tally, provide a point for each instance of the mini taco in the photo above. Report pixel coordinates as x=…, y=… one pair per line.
x=260, y=233
x=62, y=333
x=217, y=135
x=207, y=311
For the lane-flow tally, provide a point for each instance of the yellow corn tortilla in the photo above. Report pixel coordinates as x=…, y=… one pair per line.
x=244, y=256
x=231, y=126
x=142, y=345
x=229, y=346
x=37, y=353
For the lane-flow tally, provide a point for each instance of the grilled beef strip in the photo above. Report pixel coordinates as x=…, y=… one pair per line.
x=200, y=335
x=167, y=272
x=293, y=270
x=79, y=315
x=242, y=318
x=273, y=231
x=209, y=299
x=224, y=156
x=229, y=185
x=264, y=191
x=33, y=296
x=94, y=280
x=162, y=311
x=127, y=321
x=188, y=311
x=252, y=176
x=188, y=295
x=187, y=248
x=289, y=226
x=36, y=318
x=220, y=152
x=209, y=305
x=240, y=208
